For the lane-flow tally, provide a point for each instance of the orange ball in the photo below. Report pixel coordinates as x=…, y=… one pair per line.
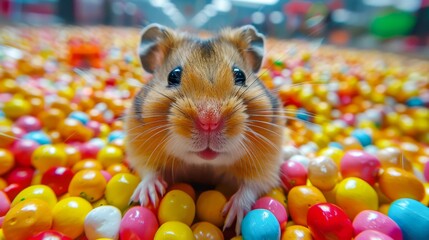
x=300, y=199
x=88, y=184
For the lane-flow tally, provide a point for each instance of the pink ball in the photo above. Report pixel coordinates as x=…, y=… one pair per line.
x=89, y=150
x=292, y=173
x=28, y=123
x=95, y=127
x=273, y=206
x=138, y=223
x=373, y=220
x=356, y=163
x=349, y=118
x=106, y=175
x=372, y=235
x=18, y=132
x=426, y=171
x=4, y=203
x=23, y=150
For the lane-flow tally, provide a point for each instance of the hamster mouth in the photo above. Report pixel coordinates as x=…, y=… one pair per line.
x=208, y=154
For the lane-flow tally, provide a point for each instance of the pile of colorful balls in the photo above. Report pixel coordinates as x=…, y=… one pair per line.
x=356, y=166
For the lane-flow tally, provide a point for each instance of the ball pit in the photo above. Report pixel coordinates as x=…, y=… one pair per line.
x=358, y=153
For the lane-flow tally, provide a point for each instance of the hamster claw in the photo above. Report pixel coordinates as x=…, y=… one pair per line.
x=234, y=210
x=149, y=190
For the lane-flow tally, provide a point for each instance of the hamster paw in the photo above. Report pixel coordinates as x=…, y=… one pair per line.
x=151, y=188
x=235, y=209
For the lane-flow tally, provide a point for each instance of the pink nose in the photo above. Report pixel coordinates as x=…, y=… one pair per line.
x=208, y=124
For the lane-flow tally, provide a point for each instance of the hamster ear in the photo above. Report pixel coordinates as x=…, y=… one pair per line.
x=250, y=43
x=155, y=43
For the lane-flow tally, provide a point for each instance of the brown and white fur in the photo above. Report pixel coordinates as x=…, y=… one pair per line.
x=207, y=129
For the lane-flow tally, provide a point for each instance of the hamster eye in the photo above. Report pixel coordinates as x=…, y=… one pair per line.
x=174, y=77
x=239, y=76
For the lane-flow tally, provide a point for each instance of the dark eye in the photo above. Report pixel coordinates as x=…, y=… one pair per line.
x=174, y=77
x=239, y=76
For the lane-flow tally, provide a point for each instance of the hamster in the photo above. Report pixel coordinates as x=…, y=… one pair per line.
x=204, y=117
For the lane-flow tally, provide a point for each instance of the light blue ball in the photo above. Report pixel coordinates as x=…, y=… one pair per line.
x=412, y=217
x=39, y=137
x=302, y=114
x=80, y=116
x=362, y=136
x=336, y=145
x=118, y=134
x=260, y=224
x=415, y=102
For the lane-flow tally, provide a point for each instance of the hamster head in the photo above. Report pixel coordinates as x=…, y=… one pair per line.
x=205, y=103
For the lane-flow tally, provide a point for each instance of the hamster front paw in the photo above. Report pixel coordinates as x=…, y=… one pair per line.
x=239, y=204
x=151, y=188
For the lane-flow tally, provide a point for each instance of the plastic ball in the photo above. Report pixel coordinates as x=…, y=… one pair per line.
x=206, y=231
x=49, y=235
x=12, y=190
x=362, y=136
x=16, y=107
x=47, y=156
x=356, y=163
x=88, y=184
x=23, y=150
x=38, y=136
x=115, y=135
x=42, y=192
x=51, y=118
x=274, y=207
x=69, y=216
x=103, y=221
x=323, y=173
x=354, y=195
x=4, y=204
x=6, y=161
x=87, y=164
x=328, y=221
x=176, y=205
x=26, y=219
x=117, y=168
x=260, y=224
x=185, y=187
x=80, y=116
x=120, y=188
x=292, y=174
x=28, y=123
x=138, y=222
x=300, y=199
x=58, y=179
x=20, y=175
x=174, y=230
x=372, y=235
x=397, y=183
x=209, y=207
x=109, y=155
x=297, y=232
x=279, y=195
x=373, y=220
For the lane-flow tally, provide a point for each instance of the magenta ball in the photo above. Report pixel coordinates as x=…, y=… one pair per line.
x=138, y=223
x=28, y=123
x=18, y=132
x=22, y=150
x=426, y=171
x=273, y=206
x=292, y=173
x=372, y=235
x=357, y=163
x=94, y=126
x=373, y=220
x=89, y=150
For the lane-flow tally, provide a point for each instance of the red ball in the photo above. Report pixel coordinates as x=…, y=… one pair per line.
x=22, y=150
x=328, y=221
x=292, y=174
x=49, y=235
x=58, y=178
x=12, y=190
x=20, y=175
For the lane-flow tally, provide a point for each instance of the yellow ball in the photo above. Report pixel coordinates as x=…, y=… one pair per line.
x=279, y=195
x=41, y=192
x=47, y=156
x=120, y=188
x=69, y=216
x=354, y=195
x=109, y=155
x=6, y=161
x=174, y=230
x=88, y=184
x=26, y=219
x=333, y=153
x=206, y=230
x=176, y=205
x=209, y=207
x=16, y=107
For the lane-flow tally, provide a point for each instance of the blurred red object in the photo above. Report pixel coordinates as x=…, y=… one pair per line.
x=85, y=53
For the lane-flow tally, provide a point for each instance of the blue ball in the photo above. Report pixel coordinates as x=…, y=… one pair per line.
x=302, y=114
x=80, y=116
x=336, y=145
x=412, y=217
x=415, y=102
x=39, y=137
x=98, y=142
x=115, y=135
x=260, y=224
x=362, y=136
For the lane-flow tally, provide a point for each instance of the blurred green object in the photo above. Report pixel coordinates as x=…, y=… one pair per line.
x=392, y=24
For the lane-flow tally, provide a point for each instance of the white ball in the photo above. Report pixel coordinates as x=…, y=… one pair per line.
x=103, y=222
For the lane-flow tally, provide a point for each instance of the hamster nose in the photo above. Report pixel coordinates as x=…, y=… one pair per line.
x=208, y=124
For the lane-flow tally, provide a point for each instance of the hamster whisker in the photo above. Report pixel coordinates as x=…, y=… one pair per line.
x=9, y=136
x=264, y=122
x=148, y=124
x=250, y=153
x=264, y=128
x=290, y=118
x=139, y=134
x=263, y=138
x=161, y=143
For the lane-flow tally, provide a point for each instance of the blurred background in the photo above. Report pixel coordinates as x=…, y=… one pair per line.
x=388, y=25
